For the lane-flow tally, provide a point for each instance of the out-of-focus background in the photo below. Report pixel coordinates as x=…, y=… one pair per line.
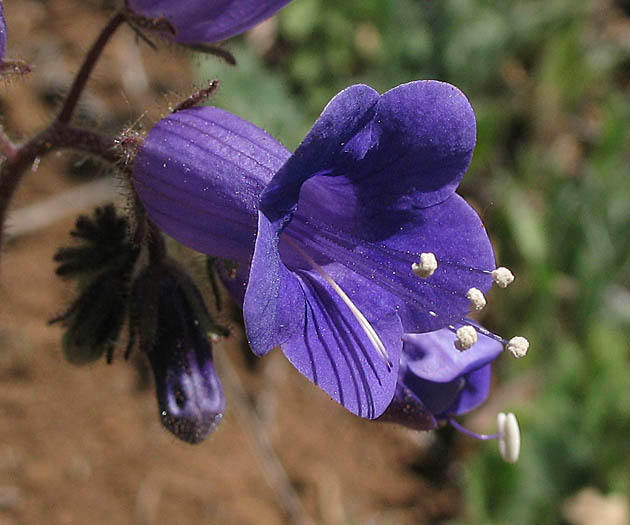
x=549, y=81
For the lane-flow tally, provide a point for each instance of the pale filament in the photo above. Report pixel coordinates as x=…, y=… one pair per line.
x=365, y=325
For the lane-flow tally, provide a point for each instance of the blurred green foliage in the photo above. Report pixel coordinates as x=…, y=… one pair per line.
x=549, y=81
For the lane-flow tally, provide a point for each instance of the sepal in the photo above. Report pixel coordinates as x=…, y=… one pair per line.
x=103, y=267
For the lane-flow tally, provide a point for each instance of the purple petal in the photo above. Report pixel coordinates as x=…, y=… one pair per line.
x=200, y=172
x=335, y=353
x=425, y=133
x=405, y=149
x=458, y=396
x=274, y=307
x=204, y=21
x=436, y=381
x=433, y=356
x=475, y=391
x=454, y=233
x=318, y=333
x=341, y=119
x=326, y=343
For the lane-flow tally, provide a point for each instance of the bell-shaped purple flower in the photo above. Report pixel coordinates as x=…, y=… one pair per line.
x=171, y=322
x=206, y=21
x=436, y=381
x=337, y=229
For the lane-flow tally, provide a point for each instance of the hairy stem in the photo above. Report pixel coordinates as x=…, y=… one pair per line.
x=90, y=61
x=57, y=136
x=103, y=146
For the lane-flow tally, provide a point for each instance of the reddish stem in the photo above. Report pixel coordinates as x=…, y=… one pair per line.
x=57, y=136
x=90, y=61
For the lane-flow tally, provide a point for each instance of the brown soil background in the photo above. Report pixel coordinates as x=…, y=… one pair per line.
x=84, y=445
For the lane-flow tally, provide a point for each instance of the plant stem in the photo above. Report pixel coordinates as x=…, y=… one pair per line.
x=83, y=75
x=57, y=136
x=103, y=146
x=7, y=148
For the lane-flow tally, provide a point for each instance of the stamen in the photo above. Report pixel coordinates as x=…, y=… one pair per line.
x=470, y=433
x=486, y=332
x=476, y=298
x=427, y=265
x=363, y=322
x=510, y=437
x=517, y=346
x=466, y=337
x=502, y=276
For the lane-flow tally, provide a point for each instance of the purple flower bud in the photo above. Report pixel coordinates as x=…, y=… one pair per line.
x=172, y=322
x=205, y=21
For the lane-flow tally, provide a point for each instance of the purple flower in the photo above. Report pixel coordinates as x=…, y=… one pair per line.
x=205, y=21
x=436, y=381
x=171, y=321
x=357, y=238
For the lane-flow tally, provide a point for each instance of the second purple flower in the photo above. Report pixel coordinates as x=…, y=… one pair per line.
x=206, y=21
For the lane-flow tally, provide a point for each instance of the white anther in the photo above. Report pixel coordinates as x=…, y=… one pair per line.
x=502, y=276
x=517, y=346
x=476, y=298
x=427, y=265
x=466, y=337
x=510, y=439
